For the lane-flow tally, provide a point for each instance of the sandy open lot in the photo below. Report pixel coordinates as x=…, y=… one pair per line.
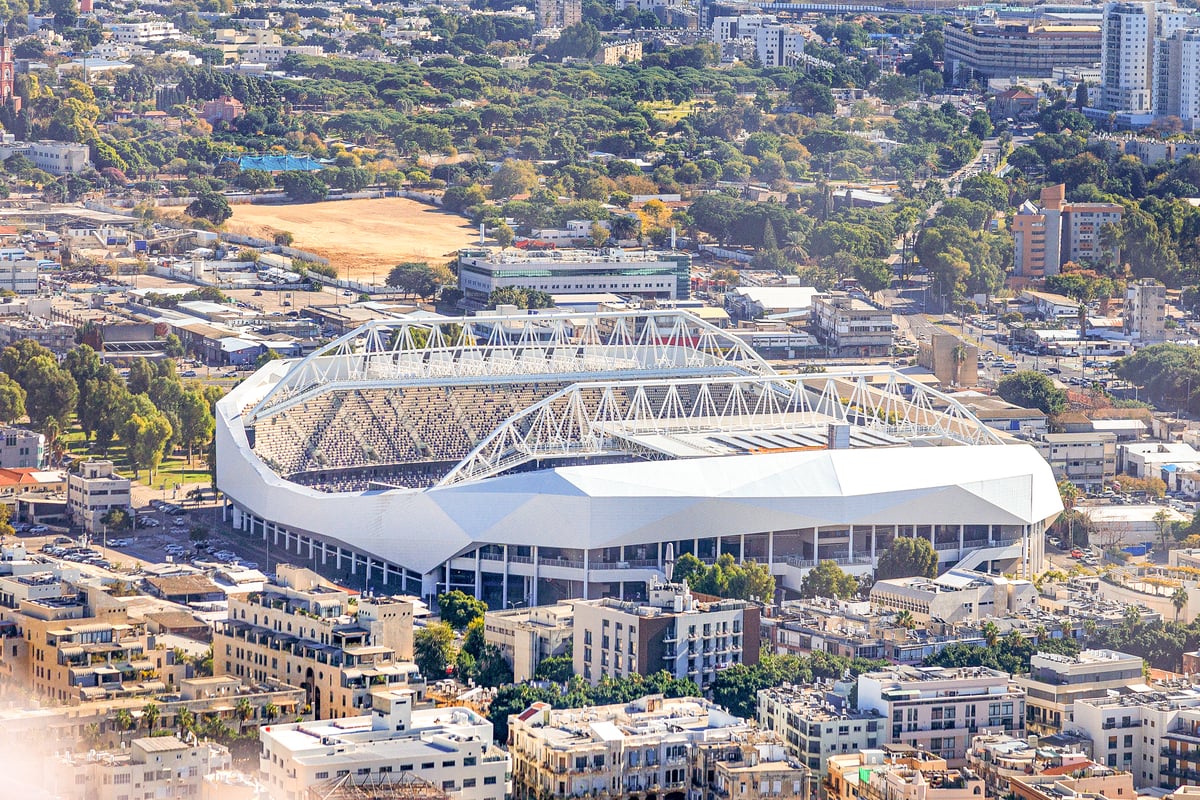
x=361, y=237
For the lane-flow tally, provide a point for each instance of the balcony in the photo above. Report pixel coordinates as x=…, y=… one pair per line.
x=1181, y=755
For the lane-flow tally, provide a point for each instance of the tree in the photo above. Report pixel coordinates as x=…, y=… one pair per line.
x=906, y=620
x=433, y=650
x=580, y=40
x=303, y=187
x=50, y=392
x=503, y=234
x=459, y=609
x=244, y=711
x=141, y=373
x=513, y=177
x=172, y=346
x=827, y=579
x=12, y=400
x=150, y=713
x=116, y=520
x=196, y=423
x=1031, y=389
x=123, y=720
x=210, y=206
x=1179, y=599
x=145, y=431
x=557, y=669
x=414, y=278
x=266, y=357
x=908, y=557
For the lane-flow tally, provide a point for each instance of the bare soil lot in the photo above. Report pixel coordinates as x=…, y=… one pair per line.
x=360, y=237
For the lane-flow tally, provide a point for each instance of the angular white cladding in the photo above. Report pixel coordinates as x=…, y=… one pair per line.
x=643, y=502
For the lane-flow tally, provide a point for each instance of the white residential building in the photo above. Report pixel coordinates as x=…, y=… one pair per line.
x=781, y=45
x=59, y=158
x=938, y=709
x=94, y=490
x=1146, y=302
x=158, y=766
x=155, y=30
x=20, y=447
x=958, y=595
x=1149, y=732
x=1055, y=682
x=815, y=723
x=527, y=635
x=448, y=747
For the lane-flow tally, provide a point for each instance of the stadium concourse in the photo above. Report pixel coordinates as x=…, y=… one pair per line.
x=530, y=458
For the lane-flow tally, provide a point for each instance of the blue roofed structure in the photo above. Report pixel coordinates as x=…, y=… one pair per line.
x=284, y=163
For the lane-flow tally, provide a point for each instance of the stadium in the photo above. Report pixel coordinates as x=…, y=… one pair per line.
x=529, y=458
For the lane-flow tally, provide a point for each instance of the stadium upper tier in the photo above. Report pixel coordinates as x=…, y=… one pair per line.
x=422, y=443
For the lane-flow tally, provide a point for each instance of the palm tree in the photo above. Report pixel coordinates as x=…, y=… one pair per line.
x=905, y=619
x=959, y=355
x=991, y=633
x=1163, y=520
x=186, y=721
x=244, y=711
x=1179, y=599
x=92, y=734
x=150, y=713
x=123, y=720
x=270, y=711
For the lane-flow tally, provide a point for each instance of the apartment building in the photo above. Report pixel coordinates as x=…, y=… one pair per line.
x=57, y=337
x=158, y=766
x=1100, y=783
x=155, y=30
x=997, y=758
x=899, y=772
x=558, y=13
x=851, y=326
x=70, y=656
x=672, y=630
x=93, y=490
x=1147, y=731
x=63, y=727
x=21, y=278
x=1055, y=682
x=957, y=595
x=307, y=632
x=21, y=448
x=59, y=158
x=816, y=724
x=1127, y=57
x=938, y=709
x=663, y=275
x=450, y=748
x=649, y=745
x=989, y=48
x=1088, y=460
x=1084, y=238
x=1146, y=311
x=525, y=636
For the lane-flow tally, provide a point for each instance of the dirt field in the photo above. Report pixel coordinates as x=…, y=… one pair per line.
x=361, y=237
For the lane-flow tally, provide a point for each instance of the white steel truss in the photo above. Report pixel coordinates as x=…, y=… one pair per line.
x=386, y=351
x=599, y=417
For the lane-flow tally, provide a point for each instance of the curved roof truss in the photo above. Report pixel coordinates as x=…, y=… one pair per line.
x=386, y=351
x=599, y=417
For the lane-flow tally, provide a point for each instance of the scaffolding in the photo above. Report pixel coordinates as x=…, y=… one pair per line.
x=379, y=786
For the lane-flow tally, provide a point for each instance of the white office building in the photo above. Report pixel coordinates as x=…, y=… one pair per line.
x=448, y=747
x=94, y=490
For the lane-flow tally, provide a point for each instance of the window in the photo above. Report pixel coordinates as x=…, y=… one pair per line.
x=468, y=783
x=489, y=780
x=322, y=776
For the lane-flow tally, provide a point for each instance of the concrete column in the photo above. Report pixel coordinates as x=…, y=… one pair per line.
x=962, y=538
x=850, y=546
x=478, y=573
x=742, y=548
x=872, y=545
x=353, y=563
x=533, y=588
x=816, y=544
x=587, y=571
x=339, y=558
x=324, y=553
x=504, y=590
x=771, y=548
x=446, y=572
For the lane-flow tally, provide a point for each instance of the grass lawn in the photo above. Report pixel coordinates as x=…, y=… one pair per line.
x=173, y=469
x=670, y=112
